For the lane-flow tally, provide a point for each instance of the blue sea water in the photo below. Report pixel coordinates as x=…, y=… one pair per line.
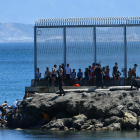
x=17, y=70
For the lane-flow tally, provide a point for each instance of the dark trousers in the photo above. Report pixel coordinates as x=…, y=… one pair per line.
x=60, y=87
x=99, y=81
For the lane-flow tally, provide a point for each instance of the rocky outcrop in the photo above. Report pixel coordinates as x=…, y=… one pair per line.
x=99, y=110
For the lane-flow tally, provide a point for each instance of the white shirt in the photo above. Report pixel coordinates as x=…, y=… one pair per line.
x=68, y=70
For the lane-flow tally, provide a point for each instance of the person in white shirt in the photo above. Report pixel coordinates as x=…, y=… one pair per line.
x=38, y=76
x=67, y=74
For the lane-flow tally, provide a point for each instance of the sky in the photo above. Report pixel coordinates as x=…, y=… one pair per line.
x=28, y=11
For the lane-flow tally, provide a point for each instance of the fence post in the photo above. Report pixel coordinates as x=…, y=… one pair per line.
x=125, y=53
x=64, y=41
x=94, y=40
x=35, y=53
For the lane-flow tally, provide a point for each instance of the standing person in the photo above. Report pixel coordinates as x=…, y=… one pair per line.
x=38, y=76
x=93, y=73
x=98, y=73
x=134, y=71
x=89, y=74
x=116, y=73
x=47, y=76
x=86, y=76
x=104, y=77
x=73, y=77
x=107, y=76
x=80, y=75
x=53, y=75
x=61, y=73
x=60, y=84
x=67, y=74
x=129, y=76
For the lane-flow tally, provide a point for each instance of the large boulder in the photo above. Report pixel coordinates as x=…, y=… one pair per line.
x=54, y=124
x=111, y=120
x=129, y=121
x=114, y=126
x=78, y=121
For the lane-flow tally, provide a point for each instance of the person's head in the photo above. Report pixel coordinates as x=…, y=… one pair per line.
x=97, y=64
x=89, y=67
x=55, y=66
x=129, y=69
x=73, y=70
x=79, y=70
x=47, y=68
x=93, y=64
x=59, y=66
x=5, y=102
x=135, y=65
x=17, y=100
x=107, y=67
x=103, y=68
x=116, y=64
x=67, y=65
x=38, y=69
x=86, y=69
x=62, y=64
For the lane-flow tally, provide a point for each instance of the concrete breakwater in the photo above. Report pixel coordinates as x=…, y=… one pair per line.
x=98, y=110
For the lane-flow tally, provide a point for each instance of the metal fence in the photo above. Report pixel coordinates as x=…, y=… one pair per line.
x=83, y=41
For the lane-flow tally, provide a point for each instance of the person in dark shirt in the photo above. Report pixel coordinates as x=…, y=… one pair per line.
x=60, y=84
x=86, y=76
x=116, y=74
x=89, y=75
x=98, y=73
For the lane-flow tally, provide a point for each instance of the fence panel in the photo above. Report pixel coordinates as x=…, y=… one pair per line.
x=110, y=47
x=50, y=48
x=80, y=47
x=133, y=48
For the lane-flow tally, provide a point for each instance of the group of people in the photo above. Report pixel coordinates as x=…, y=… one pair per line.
x=4, y=107
x=93, y=74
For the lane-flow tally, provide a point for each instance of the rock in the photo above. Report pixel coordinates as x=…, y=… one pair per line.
x=138, y=122
x=129, y=121
x=111, y=120
x=18, y=129
x=114, y=126
x=84, y=126
x=78, y=121
x=98, y=125
x=104, y=128
x=54, y=124
x=54, y=129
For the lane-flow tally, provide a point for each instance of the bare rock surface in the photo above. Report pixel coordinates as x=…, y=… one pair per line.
x=98, y=110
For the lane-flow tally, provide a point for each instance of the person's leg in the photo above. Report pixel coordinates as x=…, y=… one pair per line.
x=94, y=80
x=119, y=80
x=114, y=80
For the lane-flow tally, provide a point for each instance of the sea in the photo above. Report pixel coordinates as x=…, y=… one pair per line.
x=17, y=70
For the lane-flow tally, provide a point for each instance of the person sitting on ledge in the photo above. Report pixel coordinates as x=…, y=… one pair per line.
x=47, y=76
x=116, y=74
x=129, y=76
x=80, y=75
x=73, y=77
x=38, y=76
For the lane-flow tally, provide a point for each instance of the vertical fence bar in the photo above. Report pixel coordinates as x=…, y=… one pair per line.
x=64, y=42
x=94, y=40
x=35, y=53
x=125, y=53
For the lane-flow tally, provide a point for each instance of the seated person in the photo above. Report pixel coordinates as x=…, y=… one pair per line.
x=47, y=76
x=27, y=94
x=129, y=76
x=116, y=74
x=73, y=76
x=38, y=76
x=79, y=76
x=86, y=76
x=107, y=76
